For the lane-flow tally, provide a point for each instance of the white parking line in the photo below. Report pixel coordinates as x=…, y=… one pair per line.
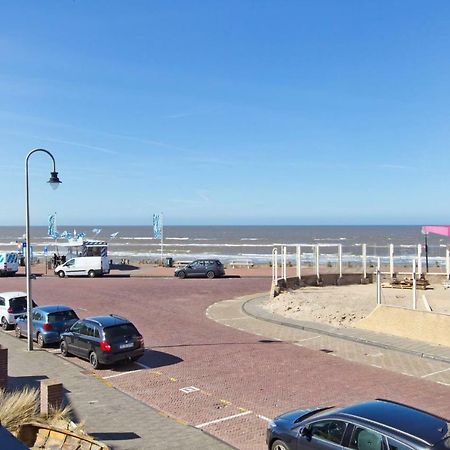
x=142, y=365
x=223, y=419
x=264, y=418
x=121, y=373
x=435, y=373
x=307, y=339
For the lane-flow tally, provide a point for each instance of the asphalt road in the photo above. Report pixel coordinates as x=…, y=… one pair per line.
x=222, y=380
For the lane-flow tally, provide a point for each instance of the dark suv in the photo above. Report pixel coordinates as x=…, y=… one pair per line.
x=103, y=340
x=209, y=268
x=373, y=425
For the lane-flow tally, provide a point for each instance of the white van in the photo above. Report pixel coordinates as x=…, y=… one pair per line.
x=9, y=263
x=83, y=265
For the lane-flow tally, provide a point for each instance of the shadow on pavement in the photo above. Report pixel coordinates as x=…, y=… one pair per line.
x=261, y=341
x=154, y=359
x=115, y=436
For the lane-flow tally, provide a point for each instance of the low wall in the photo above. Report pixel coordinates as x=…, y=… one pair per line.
x=331, y=279
x=408, y=323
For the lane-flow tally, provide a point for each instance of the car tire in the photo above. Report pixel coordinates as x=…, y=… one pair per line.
x=17, y=332
x=91, y=274
x=40, y=340
x=5, y=324
x=182, y=274
x=210, y=274
x=63, y=348
x=61, y=274
x=279, y=445
x=94, y=360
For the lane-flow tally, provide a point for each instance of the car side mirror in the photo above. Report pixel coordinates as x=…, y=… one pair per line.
x=306, y=432
x=189, y=267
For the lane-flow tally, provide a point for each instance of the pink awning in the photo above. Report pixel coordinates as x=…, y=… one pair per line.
x=443, y=230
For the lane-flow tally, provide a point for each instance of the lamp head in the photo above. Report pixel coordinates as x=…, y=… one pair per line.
x=54, y=181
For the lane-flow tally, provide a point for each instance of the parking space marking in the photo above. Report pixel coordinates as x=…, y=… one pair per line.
x=122, y=373
x=263, y=418
x=435, y=373
x=224, y=419
x=308, y=339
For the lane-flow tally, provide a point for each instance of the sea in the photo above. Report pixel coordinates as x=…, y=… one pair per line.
x=228, y=243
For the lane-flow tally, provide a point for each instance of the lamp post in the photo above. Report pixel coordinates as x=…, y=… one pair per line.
x=54, y=182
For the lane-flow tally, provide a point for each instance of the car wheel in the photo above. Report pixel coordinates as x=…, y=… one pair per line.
x=279, y=445
x=210, y=274
x=134, y=358
x=63, y=348
x=94, y=360
x=182, y=274
x=40, y=340
x=91, y=274
x=5, y=324
x=17, y=331
x=61, y=274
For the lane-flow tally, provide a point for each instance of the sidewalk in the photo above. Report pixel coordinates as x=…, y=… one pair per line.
x=405, y=356
x=110, y=415
x=253, y=307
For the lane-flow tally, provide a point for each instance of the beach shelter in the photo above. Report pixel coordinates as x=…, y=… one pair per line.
x=442, y=230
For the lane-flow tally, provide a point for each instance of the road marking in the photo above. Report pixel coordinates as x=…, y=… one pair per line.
x=189, y=389
x=263, y=418
x=308, y=339
x=122, y=373
x=223, y=419
x=53, y=350
x=441, y=382
x=435, y=373
x=142, y=365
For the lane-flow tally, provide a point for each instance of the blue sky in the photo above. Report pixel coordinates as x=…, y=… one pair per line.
x=226, y=112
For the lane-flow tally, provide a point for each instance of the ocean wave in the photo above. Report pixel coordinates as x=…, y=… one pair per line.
x=177, y=239
x=249, y=239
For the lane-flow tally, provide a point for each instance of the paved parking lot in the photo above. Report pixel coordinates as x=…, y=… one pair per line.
x=226, y=381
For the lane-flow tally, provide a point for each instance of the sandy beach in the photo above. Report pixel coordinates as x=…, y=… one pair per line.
x=343, y=306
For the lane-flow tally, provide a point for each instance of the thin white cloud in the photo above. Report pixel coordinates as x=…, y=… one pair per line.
x=395, y=167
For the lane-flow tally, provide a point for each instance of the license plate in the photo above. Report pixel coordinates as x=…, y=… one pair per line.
x=130, y=345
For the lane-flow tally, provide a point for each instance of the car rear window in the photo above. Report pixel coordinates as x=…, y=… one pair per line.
x=18, y=304
x=118, y=331
x=62, y=316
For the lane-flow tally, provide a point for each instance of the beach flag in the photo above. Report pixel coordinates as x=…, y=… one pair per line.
x=156, y=226
x=96, y=231
x=52, y=225
x=80, y=235
x=114, y=235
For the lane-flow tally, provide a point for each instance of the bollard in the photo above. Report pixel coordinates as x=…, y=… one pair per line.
x=51, y=395
x=3, y=367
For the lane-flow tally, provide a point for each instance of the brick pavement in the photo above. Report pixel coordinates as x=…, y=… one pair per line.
x=109, y=415
x=242, y=377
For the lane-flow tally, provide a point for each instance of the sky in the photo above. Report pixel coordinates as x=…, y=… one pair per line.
x=231, y=112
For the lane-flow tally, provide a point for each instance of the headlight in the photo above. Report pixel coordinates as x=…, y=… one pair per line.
x=271, y=425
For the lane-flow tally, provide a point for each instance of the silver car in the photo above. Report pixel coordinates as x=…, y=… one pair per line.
x=12, y=305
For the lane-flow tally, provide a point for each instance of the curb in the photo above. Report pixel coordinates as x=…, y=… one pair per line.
x=251, y=307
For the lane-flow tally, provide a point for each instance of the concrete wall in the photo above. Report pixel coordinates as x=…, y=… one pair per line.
x=325, y=280
x=420, y=325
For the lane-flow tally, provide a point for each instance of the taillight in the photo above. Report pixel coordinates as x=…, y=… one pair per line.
x=47, y=327
x=141, y=340
x=10, y=310
x=105, y=346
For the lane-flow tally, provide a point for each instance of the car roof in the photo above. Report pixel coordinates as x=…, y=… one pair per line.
x=12, y=294
x=108, y=321
x=53, y=308
x=414, y=422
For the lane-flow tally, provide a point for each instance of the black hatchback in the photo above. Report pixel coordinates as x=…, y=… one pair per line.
x=103, y=340
x=209, y=268
x=373, y=425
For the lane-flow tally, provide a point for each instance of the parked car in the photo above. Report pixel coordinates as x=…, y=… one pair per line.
x=209, y=268
x=48, y=322
x=12, y=305
x=373, y=425
x=91, y=266
x=103, y=340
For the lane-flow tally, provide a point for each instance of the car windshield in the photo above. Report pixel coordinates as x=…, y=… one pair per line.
x=119, y=331
x=19, y=304
x=62, y=316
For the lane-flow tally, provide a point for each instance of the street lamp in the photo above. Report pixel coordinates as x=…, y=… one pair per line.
x=54, y=182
